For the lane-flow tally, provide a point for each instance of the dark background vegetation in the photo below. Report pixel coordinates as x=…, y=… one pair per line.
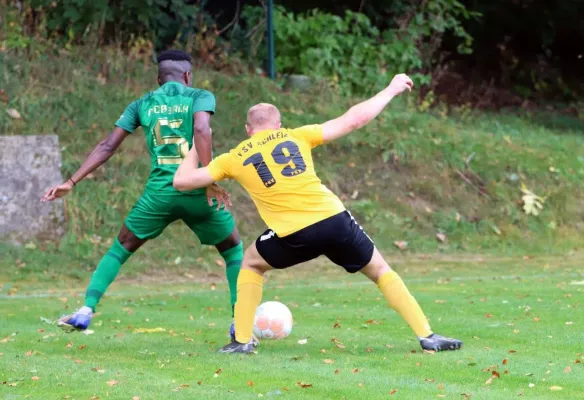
x=487, y=53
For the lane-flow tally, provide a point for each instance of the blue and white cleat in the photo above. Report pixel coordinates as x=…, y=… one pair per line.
x=232, y=331
x=78, y=321
x=254, y=340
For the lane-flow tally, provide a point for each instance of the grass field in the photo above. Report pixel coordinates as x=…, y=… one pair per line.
x=522, y=331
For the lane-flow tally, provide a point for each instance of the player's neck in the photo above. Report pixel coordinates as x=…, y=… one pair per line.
x=262, y=129
x=173, y=81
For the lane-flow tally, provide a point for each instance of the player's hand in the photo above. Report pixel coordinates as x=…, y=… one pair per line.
x=222, y=196
x=57, y=191
x=400, y=83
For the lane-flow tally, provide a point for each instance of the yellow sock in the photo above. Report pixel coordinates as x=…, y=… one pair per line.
x=399, y=298
x=249, y=295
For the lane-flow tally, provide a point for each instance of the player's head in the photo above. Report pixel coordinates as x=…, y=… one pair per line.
x=262, y=116
x=174, y=65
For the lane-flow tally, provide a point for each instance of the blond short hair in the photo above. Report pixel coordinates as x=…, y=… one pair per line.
x=263, y=115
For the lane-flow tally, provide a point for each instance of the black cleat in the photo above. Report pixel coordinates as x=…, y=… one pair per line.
x=436, y=342
x=236, y=347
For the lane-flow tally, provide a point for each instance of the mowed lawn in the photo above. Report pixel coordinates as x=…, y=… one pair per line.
x=521, y=321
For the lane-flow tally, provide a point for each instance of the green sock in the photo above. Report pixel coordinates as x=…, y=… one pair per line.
x=105, y=273
x=233, y=258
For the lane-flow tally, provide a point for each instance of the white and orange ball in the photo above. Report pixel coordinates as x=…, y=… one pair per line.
x=273, y=320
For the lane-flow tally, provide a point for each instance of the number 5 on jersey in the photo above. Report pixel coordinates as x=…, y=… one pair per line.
x=284, y=154
x=169, y=145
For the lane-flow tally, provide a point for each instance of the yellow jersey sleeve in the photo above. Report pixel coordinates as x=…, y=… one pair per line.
x=311, y=134
x=220, y=167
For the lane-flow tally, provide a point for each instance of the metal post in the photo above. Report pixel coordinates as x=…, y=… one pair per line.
x=271, y=53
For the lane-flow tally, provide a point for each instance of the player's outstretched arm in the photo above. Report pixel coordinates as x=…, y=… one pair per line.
x=361, y=114
x=189, y=176
x=100, y=154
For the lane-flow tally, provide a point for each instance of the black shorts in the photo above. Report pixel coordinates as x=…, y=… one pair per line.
x=339, y=238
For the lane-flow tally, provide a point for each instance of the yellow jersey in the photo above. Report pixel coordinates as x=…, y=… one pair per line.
x=275, y=167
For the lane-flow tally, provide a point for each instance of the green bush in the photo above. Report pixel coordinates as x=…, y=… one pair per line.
x=352, y=54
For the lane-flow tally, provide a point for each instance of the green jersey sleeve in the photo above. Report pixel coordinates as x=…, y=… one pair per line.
x=130, y=119
x=204, y=101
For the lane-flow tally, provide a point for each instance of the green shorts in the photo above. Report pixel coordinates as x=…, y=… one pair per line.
x=154, y=211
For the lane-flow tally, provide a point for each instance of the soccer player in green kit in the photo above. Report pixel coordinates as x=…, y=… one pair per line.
x=174, y=117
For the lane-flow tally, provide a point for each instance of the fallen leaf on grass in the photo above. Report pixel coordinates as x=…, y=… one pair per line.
x=336, y=325
x=304, y=385
x=512, y=351
x=112, y=382
x=567, y=370
x=329, y=361
x=135, y=398
x=488, y=315
x=337, y=371
x=439, y=301
x=494, y=375
x=250, y=383
x=98, y=370
x=401, y=244
x=556, y=388
x=218, y=372
x=14, y=113
x=372, y=322
x=303, y=341
x=191, y=317
x=441, y=237
x=392, y=392
x=440, y=386
x=149, y=330
x=355, y=370
x=35, y=378
x=569, y=323
x=429, y=352
x=505, y=361
x=429, y=380
x=88, y=332
x=360, y=384
x=28, y=353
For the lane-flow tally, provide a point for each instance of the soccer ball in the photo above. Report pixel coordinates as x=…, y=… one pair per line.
x=273, y=320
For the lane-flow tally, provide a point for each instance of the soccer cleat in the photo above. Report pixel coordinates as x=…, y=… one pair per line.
x=254, y=339
x=436, y=342
x=236, y=347
x=232, y=331
x=78, y=321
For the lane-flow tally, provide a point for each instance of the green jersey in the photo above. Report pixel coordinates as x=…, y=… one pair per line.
x=166, y=115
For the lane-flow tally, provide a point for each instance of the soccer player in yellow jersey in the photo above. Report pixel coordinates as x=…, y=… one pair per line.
x=306, y=219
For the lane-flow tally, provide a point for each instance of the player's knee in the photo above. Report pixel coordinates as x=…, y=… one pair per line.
x=253, y=261
x=376, y=267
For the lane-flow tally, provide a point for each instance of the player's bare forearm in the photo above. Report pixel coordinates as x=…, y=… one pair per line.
x=100, y=154
x=361, y=114
x=202, y=137
x=189, y=176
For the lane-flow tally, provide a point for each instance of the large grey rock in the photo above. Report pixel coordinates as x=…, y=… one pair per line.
x=29, y=165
